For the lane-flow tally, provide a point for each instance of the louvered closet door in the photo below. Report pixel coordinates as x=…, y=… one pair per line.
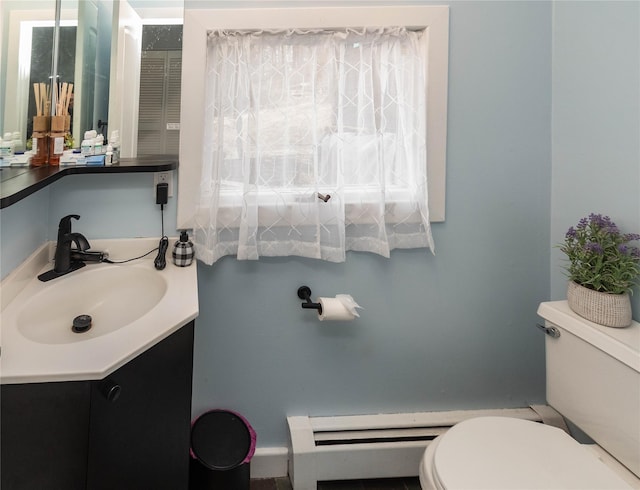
x=172, y=112
x=159, y=112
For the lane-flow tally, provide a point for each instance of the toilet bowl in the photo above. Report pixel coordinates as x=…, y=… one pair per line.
x=501, y=453
x=593, y=380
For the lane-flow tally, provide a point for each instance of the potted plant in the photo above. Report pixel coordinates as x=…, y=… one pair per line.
x=603, y=268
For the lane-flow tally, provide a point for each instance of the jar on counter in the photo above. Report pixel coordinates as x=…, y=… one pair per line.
x=40, y=149
x=40, y=141
x=56, y=148
x=56, y=140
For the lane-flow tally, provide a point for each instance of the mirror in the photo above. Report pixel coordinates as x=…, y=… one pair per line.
x=18, y=25
x=83, y=47
x=99, y=51
x=92, y=64
x=129, y=75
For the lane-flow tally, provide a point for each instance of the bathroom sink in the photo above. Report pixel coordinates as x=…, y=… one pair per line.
x=113, y=296
x=132, y=307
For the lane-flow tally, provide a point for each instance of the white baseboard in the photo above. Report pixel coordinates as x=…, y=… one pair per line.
x=273, y=462
x=377, y=445
x=270, y=462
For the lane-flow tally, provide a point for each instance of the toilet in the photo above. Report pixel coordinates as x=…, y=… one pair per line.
x=593, y=381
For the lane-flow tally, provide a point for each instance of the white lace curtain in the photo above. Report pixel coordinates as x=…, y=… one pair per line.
x=293, y=117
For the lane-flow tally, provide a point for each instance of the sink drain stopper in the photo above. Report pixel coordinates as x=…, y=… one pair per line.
x=81, y=323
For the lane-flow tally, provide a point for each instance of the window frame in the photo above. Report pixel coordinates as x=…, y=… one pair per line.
x=433, y=19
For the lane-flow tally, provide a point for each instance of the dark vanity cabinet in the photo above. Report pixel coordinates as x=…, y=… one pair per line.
x=43, y=435
x=129, y=431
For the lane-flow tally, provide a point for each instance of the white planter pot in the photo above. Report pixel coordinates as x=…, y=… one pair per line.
x=610, y=310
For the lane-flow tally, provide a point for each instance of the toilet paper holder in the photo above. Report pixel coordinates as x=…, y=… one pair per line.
x=305, y=293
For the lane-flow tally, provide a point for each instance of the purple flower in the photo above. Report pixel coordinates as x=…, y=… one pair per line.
x=600, y=255
x=603, y=223
x=594, y=247
x=612, y=229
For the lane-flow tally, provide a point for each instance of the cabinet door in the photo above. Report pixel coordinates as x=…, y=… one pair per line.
x=141, y=419
x=44, y=436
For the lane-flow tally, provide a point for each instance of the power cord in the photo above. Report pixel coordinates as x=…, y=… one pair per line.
x=161, y=262
x=109, y=261
x=162, y=191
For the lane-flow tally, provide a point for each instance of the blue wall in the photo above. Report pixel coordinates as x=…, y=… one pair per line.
x=596, y=121
x=451, y=331
x=23, y=228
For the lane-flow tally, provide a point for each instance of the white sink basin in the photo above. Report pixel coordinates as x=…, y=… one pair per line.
x=114, y=296
x=133, y=306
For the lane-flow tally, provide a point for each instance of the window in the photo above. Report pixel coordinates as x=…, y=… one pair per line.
x=289, y=116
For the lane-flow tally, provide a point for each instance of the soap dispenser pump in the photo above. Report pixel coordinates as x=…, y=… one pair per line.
x=183, y=251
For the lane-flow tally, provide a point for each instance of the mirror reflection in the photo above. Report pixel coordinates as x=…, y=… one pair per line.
x=92, y=65
x=21, y=23
x=100, y=48
x=82, y=62
x=160, y=85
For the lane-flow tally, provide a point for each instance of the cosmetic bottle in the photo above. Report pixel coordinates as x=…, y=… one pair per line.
x=6, y=146
x=18, y=144
x=86, y=147
x=114, y=141
x=98, y=145
x=108, y=156
x=183, y=251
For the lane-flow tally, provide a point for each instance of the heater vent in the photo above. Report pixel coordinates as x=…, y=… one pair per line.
x=378, y=446
x=377, y=436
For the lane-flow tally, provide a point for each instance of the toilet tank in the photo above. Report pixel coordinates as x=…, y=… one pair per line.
x=593, y=380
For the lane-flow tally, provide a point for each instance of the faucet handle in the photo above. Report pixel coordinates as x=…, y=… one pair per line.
x=81, y=242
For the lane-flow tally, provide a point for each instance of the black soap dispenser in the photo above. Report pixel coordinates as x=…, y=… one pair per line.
x=183, y=251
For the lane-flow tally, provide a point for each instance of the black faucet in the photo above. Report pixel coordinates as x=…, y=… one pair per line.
x=69, y=259
x=62, y=260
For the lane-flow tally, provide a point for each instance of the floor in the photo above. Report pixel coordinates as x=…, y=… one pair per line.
x=381, y=484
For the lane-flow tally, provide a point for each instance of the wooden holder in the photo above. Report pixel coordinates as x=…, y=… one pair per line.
x=40, y=124
x=57, y=124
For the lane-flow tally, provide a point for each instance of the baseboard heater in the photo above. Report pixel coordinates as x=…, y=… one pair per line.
x=378, y=446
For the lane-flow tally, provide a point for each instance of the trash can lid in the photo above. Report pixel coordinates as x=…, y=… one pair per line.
x=222, y=440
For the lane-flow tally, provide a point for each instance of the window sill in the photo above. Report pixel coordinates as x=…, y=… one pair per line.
x=302, y=207
x=18, y=183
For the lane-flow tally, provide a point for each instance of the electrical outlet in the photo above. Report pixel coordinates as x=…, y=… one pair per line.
x=162, y=177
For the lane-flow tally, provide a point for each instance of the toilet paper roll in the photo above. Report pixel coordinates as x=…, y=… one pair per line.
x=340, y=308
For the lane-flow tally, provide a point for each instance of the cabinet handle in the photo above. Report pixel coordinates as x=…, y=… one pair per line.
x=110, y=390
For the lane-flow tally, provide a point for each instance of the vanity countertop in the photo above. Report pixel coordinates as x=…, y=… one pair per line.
x=47, y=356
x=16, y=183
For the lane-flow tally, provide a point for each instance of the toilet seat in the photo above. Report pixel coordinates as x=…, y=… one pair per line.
x=507, y=453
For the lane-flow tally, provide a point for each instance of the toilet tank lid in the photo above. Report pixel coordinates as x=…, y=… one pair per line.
x=502, y=453
x=621, y=343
